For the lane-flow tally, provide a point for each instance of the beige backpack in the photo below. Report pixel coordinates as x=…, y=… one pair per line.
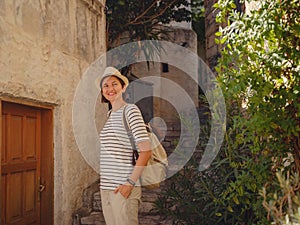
x=155, y=171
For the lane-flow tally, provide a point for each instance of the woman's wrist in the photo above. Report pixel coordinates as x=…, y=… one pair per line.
x=131, y=182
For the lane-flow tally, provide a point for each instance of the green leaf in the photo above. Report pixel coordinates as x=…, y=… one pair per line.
x=223, y=40
x=218, y=214
x=236, y=200
x=216, y=5
x=229, y=208
x=218, y=34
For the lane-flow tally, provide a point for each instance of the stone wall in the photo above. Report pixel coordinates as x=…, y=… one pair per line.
x=212, y=49
x=211, y=27
x=45, y=46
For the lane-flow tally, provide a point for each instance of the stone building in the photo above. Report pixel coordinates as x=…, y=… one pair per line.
x=45, y=46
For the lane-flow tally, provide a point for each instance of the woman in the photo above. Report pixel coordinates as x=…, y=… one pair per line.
x=119, y=179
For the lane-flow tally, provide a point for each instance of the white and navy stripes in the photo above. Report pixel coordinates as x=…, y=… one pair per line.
x=116, y=151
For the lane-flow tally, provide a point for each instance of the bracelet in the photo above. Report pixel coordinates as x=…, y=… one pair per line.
x=130, y=181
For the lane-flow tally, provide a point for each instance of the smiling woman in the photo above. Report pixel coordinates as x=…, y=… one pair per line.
x=118, y=176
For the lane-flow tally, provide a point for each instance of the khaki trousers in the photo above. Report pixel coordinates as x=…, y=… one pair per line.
x=120, y=211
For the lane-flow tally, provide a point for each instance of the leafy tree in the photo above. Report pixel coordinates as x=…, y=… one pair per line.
x=130, y=21
x=259, y=70
x=259, y=75
x=135, y=20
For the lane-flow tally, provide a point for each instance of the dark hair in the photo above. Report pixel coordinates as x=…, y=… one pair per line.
x=103, y=99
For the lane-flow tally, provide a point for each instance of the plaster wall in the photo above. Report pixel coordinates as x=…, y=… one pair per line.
x=45, y=46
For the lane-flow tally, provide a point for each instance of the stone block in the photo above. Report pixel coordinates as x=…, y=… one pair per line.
x=211, y=52
x=145, y=207
x=97, y=202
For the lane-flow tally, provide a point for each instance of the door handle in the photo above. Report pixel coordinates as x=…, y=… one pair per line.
x=42, y=188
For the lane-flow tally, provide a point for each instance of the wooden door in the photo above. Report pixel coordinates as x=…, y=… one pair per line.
x=20, y=165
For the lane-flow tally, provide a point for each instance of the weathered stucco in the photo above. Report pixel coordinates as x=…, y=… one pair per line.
x=45, y=46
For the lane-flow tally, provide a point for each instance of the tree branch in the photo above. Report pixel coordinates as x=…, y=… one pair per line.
x=153, y=17
x=144, y=13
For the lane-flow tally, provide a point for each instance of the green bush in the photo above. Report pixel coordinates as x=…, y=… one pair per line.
x=259, y=74
x=259, y=71
x=226, y=193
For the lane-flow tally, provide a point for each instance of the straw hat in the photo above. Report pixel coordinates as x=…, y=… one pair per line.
x=110, y=71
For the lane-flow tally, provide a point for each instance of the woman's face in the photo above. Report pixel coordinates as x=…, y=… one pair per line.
x=112, y=89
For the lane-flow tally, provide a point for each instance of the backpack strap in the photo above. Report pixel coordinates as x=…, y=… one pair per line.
x=108, y=113
x=135, y=154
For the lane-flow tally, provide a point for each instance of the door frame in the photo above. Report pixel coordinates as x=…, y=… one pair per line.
x=46, y=157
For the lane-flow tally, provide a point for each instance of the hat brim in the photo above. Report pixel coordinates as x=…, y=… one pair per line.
x=120, y=76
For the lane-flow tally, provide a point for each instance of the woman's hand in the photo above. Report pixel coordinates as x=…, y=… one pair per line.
x=124, y=189
x=145, y=154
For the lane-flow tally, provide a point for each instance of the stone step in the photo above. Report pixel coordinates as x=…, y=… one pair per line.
x=95, y=218
x=153, y=220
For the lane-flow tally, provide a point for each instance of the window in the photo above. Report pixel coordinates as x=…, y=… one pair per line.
x=165, y=67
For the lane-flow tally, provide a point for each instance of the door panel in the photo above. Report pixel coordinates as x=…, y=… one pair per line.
x=31, y=140
x=14, y=197
x=29, y=190
x=20, y=164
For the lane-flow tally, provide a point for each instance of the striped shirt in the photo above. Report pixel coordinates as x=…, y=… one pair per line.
x=116, y=151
